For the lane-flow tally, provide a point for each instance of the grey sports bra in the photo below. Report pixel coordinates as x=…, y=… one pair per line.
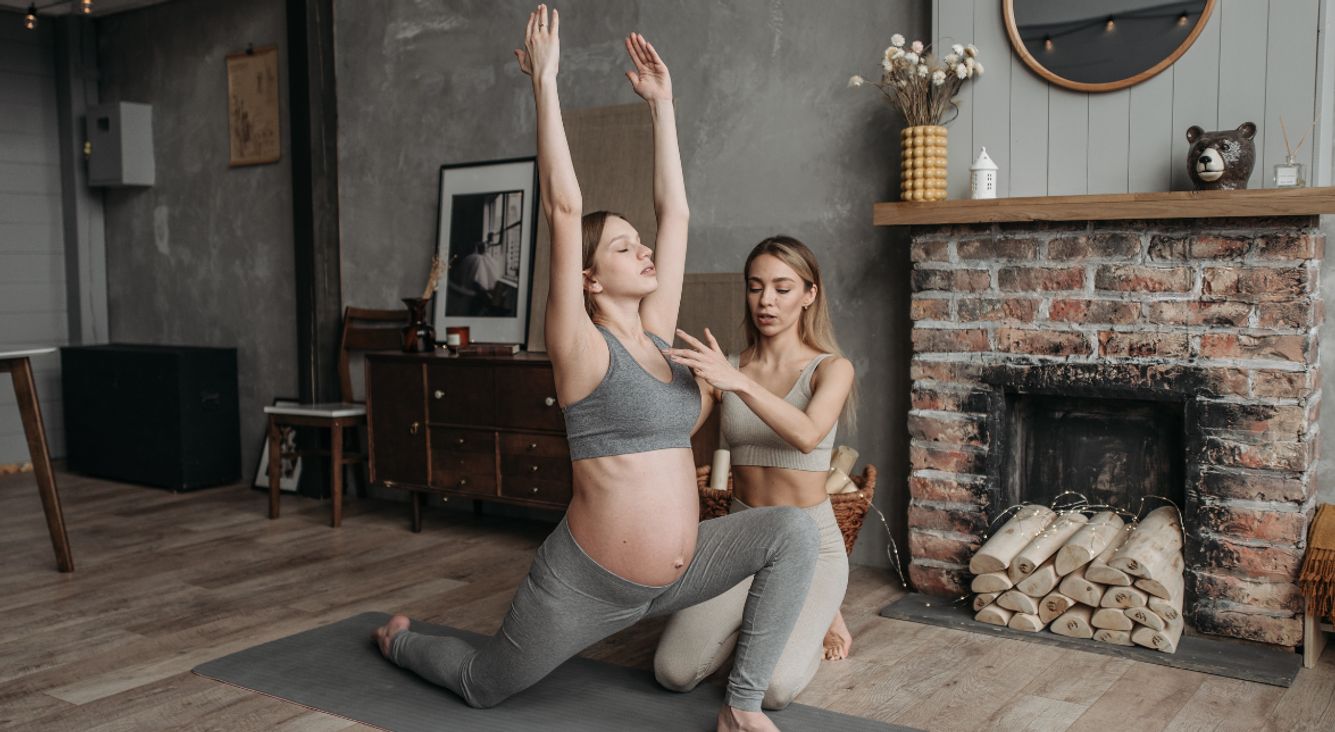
x=753, y=442
x=631, y=410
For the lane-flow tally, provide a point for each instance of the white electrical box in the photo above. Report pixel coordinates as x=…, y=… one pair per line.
x=121, y=139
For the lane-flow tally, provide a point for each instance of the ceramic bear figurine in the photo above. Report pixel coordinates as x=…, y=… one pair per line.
x=1221, y=160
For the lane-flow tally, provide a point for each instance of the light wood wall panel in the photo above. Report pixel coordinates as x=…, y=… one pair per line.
x=1068, y=141
x=1150, y=135
x=1244, y=26
x=990, y=129
x=1255, y=61
x=1028, y=172
x=1106, y=158
x=956, y=21
x=1290, y=83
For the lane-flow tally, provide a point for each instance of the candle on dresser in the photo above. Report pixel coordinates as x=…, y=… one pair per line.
x=718, y=474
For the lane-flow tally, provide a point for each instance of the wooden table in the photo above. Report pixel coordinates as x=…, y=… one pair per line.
x=16, y=363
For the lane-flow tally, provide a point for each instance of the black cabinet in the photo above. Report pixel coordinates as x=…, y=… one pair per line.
x=163, y=416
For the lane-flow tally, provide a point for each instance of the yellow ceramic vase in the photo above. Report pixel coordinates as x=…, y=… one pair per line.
x=922, y=163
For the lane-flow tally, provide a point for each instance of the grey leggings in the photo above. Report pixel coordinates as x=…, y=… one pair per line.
x=568, y=602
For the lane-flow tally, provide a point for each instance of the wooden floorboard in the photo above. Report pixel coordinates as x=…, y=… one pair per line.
x=166, y=581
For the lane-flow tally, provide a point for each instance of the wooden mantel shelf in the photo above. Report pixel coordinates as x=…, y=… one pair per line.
x=1114, y=207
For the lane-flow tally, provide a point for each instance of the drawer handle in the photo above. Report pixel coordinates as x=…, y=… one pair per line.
x=463, y=482
x=532, y=445
x=414, y=427
x=439, y=394
x=460, y=441
x=549, y=401
x=535, y=491
x=534, y=468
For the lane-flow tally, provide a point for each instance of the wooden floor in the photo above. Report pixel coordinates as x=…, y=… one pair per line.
x=166, y=581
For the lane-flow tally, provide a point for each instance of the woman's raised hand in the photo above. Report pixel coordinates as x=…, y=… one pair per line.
x=650, y=78
x=708, y=362
x=542, y=45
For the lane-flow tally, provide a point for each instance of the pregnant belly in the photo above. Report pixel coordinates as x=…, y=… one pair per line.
x=637, y=515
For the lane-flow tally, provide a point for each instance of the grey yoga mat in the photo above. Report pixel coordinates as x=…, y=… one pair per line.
x=337, y=669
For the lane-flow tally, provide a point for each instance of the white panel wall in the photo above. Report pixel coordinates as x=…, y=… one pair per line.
x=32, y=258
x=1255, y=61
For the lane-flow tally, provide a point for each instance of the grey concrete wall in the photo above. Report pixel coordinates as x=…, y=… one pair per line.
x=204, y=257
x=772, y=141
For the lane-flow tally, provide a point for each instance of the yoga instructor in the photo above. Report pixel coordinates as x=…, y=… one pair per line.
x=631, y=545
x=781, y=401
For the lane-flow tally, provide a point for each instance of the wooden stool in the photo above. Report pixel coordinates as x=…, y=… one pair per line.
x=16, y=363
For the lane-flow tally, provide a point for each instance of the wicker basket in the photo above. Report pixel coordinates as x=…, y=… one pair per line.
x=849, y=508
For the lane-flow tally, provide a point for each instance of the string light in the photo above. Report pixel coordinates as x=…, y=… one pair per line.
x=30, y=20
x=892, y=549
x=1047, y=43
x=1110, y=26
x=86, y=6
x=1182, y=20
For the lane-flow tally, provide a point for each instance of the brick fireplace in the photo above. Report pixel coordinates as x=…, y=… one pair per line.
x=1123, y=358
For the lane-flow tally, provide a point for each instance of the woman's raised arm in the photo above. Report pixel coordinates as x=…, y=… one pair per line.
x=651, y=81
x=568, y=326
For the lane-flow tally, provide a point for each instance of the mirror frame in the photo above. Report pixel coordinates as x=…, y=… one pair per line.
x=1017, y=44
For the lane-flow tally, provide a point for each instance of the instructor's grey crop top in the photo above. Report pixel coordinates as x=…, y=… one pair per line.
x=631, y=410
x=753, y=442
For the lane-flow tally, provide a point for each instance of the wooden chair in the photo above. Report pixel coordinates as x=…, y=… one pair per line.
x=363, y=330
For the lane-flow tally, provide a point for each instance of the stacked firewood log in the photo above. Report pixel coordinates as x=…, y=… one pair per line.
x=1084, y=577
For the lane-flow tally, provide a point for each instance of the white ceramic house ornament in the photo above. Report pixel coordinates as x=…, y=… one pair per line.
x=983, y=177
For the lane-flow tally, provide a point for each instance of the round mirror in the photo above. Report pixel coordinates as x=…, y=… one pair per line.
x=1102, y=45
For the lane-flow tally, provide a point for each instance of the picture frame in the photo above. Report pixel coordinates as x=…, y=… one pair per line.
x=253, y=127
x=486, y=232
x=289, y=477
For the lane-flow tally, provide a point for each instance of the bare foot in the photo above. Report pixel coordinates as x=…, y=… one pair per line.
x=731, y=719
x=384, y=635
x=838, y=641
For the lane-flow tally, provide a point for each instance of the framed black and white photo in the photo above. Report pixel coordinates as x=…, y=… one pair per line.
x=486, y=229
x=289, y=468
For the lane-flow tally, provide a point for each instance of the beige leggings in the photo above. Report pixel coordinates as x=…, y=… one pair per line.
x=699, y=639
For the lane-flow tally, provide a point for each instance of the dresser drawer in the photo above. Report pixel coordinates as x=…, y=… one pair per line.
x=463, y=482
x=526, y=399
x=463, y=460
x=544, y=491
x=534, y=457
x=446, y=440
x=461, y=393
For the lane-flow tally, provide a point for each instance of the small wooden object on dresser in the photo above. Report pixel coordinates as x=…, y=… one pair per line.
x=482, y=428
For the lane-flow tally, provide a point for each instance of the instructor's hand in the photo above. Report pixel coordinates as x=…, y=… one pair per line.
x=708, y=362
x=542, y=45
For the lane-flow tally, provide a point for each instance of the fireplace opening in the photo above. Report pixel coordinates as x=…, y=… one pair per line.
x=1112, y=451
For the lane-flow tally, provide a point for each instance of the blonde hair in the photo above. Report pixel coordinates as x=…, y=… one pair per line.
x=593, y=224
x=814, y=328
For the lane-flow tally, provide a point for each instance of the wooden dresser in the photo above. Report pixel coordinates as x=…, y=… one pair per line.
x=480, y=428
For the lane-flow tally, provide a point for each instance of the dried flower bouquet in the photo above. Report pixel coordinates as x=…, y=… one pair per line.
x=921, y=86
